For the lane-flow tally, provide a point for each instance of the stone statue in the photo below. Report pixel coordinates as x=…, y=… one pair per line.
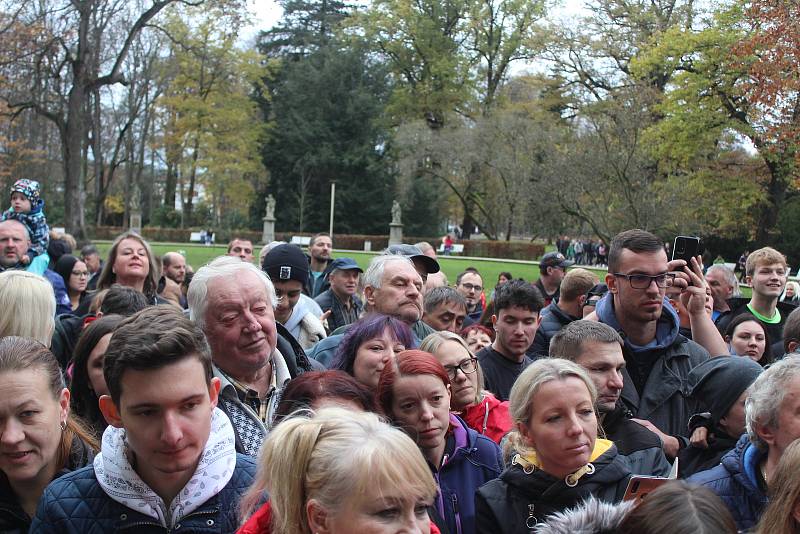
x=270, y=208
x=135, y=201
x=397, y=213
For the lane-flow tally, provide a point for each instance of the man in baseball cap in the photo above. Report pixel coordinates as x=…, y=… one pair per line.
x=552, y=268
x=287, y=267
x=424, y=265
x=340, y=298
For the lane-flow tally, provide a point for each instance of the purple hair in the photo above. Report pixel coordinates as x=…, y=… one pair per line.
x=369, y=327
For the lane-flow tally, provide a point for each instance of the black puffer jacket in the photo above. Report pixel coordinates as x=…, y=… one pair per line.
x=517, y=501
x=13, y=519
x=553, y=320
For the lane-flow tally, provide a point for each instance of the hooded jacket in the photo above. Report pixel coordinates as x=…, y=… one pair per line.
x=304, y=323
x=661, y=369
x=738, y=483
x=525, y=495
x=489, y=417
x=13, y=519
x=474, y=460
x=109, y=496
x=36, y=223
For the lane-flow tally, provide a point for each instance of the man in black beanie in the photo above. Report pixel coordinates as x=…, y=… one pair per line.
x=287, y=267
x=719, y=384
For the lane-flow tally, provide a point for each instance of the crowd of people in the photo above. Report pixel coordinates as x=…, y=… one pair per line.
x=297, y=393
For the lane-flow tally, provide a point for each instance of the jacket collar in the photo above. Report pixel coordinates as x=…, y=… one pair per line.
x=121, y=482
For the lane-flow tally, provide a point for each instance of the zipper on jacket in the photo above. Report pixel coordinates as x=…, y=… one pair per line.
x=456, y=513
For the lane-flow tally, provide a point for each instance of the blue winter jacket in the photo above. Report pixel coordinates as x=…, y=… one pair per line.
x=735, y=480
x=76, y=503
x=474, y=461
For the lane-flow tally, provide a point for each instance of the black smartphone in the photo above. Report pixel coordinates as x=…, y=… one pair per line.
x=686, y=248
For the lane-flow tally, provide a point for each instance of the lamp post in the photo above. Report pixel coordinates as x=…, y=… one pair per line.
x=333, y=198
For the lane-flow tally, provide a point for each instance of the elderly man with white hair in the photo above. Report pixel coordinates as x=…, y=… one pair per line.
x=392, y=286
x=234, y=302
x=772, y=415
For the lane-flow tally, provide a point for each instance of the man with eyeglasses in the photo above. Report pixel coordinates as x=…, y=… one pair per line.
x=470, y=285
x=658, y=359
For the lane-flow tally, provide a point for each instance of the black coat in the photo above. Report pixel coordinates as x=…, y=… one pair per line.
x=553, y=320
x=515, y=502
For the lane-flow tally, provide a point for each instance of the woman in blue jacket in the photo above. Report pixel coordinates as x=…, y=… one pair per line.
x=414, y=391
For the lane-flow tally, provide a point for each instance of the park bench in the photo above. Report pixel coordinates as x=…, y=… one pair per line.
x=300, y=240
x=458, y=248
x=194, y=237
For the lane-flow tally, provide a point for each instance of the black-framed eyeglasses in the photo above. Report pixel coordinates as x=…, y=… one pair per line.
x=470, y=287
x=643, y=281
x=467, y=367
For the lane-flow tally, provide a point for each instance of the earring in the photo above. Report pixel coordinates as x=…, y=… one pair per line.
x=63, y=426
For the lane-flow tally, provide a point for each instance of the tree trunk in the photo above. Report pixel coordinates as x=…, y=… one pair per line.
x=187, y=207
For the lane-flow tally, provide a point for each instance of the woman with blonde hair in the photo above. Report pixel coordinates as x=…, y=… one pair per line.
x=29, y=306
x=39, y=439
x=558, y=460
x=338, y=472
x=481, y=410
x=782, y=515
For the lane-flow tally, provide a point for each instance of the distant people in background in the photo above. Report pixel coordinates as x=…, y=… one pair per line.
x=369, y=345
x=88, y=383
x=766, y=272
x=746, y=336
x=447, y=244
x=319, y=250
x=76, y=278
x=91, y=257
x=27, y=207
x=477, y=407
x=593, y=296
x=340, y=298
x=444, y=309
x=721, y=386
x=502, y=278
x=792, y=293
x=517, y=307
x=552, y=268
x=724, y=286
x=741, y=265
x=470, y=285
x=477, y=337
x=287, y=267
x=568, y=308
x=40, y=440
x=242, y=248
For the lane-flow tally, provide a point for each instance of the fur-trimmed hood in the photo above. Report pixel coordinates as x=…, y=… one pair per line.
x=590, y=517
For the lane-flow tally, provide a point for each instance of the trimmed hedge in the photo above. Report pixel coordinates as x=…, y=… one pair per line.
x=478, y=248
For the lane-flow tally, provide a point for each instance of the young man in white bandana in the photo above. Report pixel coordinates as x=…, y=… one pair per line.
x=168, y=458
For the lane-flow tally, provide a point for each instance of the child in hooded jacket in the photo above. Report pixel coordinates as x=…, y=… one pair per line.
x=27, y=207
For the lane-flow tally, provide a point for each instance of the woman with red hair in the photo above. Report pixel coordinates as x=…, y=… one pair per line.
x=414, y=391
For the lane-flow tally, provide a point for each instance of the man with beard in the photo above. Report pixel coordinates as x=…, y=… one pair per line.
x=319, y=249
